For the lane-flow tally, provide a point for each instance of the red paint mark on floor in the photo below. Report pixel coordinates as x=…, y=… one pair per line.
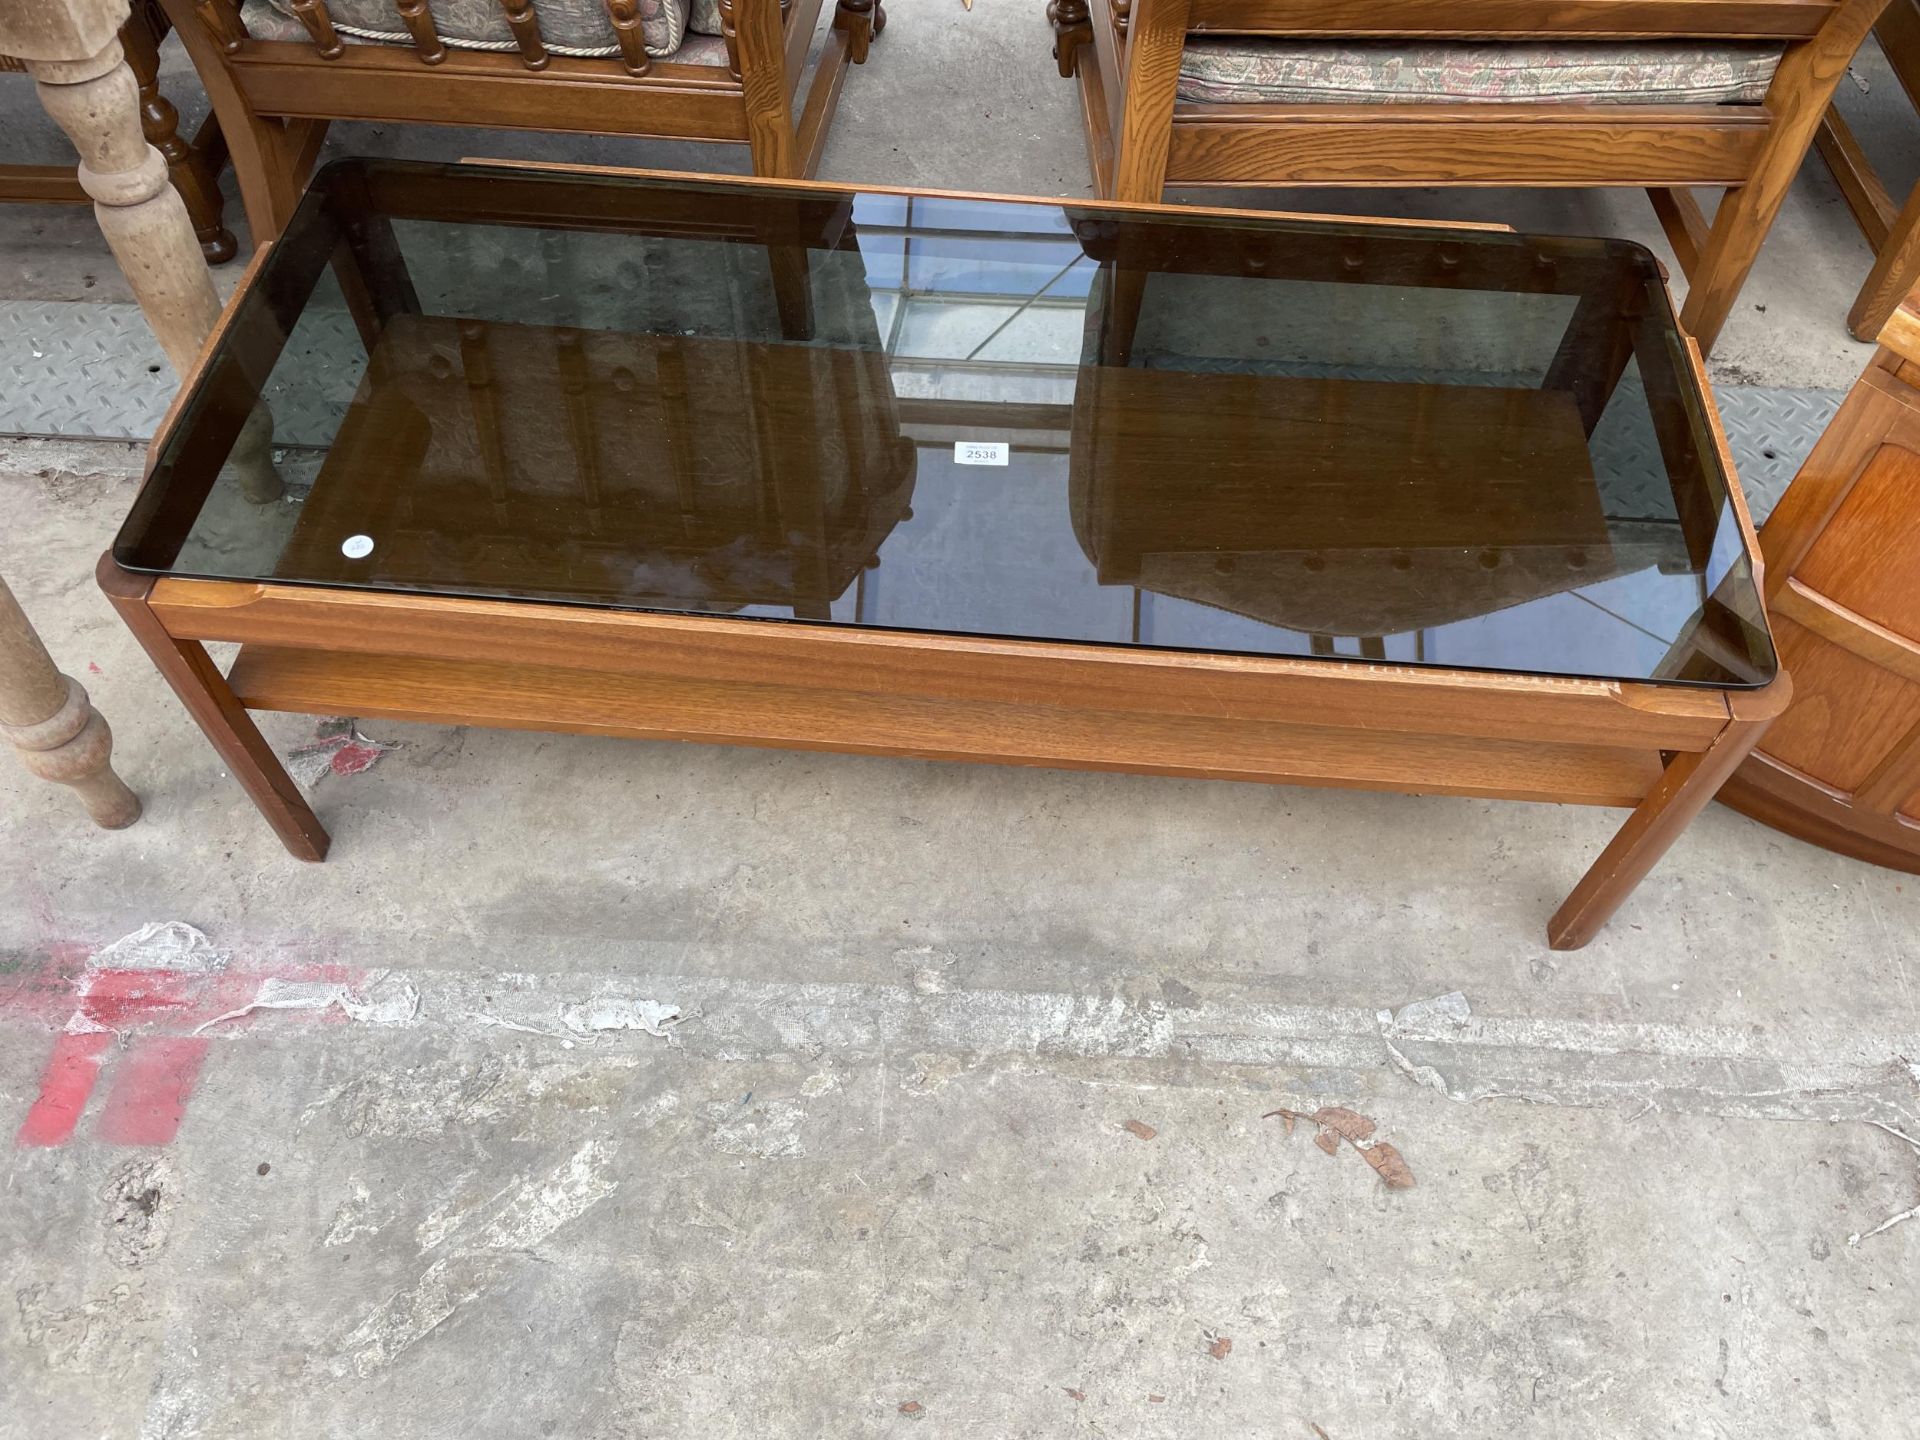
x=64, y=1087
x=120, y=998
x=354, y=759
x=151, y=1086
x=136, y=1026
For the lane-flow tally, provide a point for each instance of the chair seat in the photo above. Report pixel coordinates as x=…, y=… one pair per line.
x=686, y=30
x=1249, y=71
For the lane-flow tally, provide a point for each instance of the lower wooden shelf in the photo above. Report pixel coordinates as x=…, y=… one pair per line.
x=668, y=707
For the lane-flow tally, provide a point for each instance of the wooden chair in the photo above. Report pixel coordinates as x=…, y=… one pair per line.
x=193, y=165
x=1661, y=94
x=279, y=70
x=1894, y=232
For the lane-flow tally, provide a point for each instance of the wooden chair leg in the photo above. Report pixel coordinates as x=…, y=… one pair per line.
x=1594, y=352
x=266, y=153
x=1860, y=184
x=761, y=45
x=1684, y=788
x=190, y=671
x=1739, y=229
x=1072, y=28
x=1797, y=100
x=267, y=165
x=1156, y=41
x=792, y=289
x=372, y=273
x=1685, y=225
x=1896, y=270
x=1125, y=290
x=863, y=20
x=161, y=124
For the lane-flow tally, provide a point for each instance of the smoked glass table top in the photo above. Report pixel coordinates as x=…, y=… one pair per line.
x=1034, y=420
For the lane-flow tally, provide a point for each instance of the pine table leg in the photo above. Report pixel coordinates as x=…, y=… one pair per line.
x=96, y=101
x=49, y=720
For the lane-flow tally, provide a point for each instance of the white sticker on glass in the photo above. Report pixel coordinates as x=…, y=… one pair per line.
x=980, y=452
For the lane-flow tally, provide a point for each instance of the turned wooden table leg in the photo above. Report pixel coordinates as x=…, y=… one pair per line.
x=186, y=666
x=97, y=102
x=48, y=719
x=1684, y=788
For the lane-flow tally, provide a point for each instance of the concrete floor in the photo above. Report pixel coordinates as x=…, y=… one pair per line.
x=878, y=1176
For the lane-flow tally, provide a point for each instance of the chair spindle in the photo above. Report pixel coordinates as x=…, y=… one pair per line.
x=526, y=32
x=222, y=18
x=427, y=43
x=625, y=15
x=730, y=33
x=313, y=14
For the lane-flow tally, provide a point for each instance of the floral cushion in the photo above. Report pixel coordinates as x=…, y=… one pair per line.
x=1373, y=72
x=567, y=27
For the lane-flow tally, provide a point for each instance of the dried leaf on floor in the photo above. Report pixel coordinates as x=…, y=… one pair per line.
x=1354, y=1127
x=1073, y=1394
x=1336, y=1124
x=911, y=1407
x=1384, y=1158
x=1220, y=1348
x=1139, y=1129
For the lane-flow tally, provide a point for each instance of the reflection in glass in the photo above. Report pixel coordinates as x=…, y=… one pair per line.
x=1410, y=445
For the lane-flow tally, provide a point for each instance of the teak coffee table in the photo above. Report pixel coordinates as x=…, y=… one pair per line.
x=1185, y=492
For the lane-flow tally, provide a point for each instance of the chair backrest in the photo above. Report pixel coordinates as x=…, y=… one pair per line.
x=423, y=33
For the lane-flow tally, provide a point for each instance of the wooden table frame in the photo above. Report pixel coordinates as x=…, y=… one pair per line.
x=1661, y=750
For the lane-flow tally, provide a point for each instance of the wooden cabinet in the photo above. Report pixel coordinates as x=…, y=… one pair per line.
x=1841, y=767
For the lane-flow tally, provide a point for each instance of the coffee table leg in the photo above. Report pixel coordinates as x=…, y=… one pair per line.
x=221, y=717
x=1688, y=783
